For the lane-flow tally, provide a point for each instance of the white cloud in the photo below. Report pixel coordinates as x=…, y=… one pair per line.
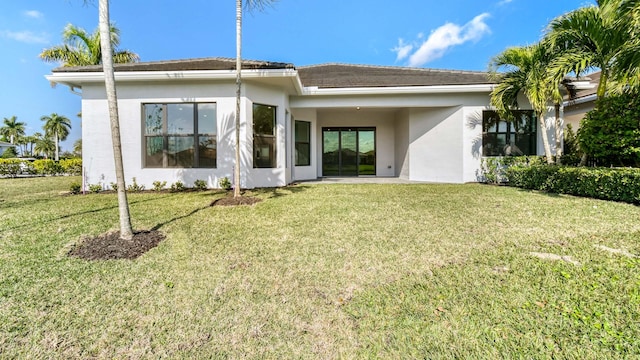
x=504, y=2
x=25, y=36
x=34, y=14
x=442, y=39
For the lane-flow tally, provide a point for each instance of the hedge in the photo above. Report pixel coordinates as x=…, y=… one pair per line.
x=617, y=184
x=15, y=167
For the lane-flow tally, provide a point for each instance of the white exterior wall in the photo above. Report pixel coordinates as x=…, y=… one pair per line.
x=96, y=135
x=308, y=172
x=402, y=150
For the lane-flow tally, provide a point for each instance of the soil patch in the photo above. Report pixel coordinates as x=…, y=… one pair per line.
x=110, y=246
x=233, y=201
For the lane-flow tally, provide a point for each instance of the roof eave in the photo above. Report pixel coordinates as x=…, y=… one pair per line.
x=430, y=89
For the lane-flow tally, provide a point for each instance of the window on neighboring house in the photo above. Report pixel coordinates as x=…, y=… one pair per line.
x=181, y=135
x=303, y=143
x=513, y=137
x=264, y=136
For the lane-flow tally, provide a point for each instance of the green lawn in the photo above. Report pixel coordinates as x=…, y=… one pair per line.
x=322, y=271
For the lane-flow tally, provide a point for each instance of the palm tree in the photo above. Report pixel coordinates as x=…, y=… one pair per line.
x=44, y=147
x=57, y=126
x=251, y=5
x=77, y=148
x=126, y=230
x=80, y=48
x=527, y=72
x=12, y=128
x=593, y=37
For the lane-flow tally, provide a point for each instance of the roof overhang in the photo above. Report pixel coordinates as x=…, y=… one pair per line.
x=436, y=89
x=281, y=77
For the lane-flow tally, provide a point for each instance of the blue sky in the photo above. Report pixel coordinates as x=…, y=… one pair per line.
x=450, y=34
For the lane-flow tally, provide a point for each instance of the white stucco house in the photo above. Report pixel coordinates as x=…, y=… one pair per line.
x=297, y=123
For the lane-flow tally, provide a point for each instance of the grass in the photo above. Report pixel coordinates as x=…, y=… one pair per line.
x=321, y=271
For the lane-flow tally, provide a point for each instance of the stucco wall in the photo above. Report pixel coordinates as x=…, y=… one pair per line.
x=97, y=148
x=308, y=172
x=402, y=151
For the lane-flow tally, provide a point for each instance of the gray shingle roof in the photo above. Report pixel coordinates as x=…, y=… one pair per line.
x=322, y=76
x=183, y=65
x=346, y=76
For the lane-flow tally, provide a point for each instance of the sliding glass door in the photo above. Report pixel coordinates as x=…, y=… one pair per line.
x=348, y=151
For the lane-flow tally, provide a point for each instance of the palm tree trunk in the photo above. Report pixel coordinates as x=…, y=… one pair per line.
x=236, y=173
x=545, y=138
x=558, y=129
x=57, y=152
x=126, y=231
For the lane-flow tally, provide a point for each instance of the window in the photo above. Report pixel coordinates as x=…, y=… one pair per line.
x=264, y=136
x=303, y=143
x=513, y=137
x=180, y=135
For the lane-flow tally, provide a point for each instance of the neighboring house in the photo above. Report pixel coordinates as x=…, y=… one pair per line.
x=583, y=101
x=177, y=122
x=4, y=146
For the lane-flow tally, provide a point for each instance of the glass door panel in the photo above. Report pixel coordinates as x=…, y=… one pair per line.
x=331, y=153
x=367, y=152
x=348, y=152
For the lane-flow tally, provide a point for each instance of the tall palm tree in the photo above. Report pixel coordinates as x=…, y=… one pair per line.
x=592, y=37
x=56, y=126
x=12, y=128
x=80, y=48
x=525, y=71
x=251, y=5
x=126, y=230
x=44, y=147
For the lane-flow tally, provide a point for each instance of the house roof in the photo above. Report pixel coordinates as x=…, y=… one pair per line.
x=349, y=76
x=328, y=76
x=183, y=65
x=589, y=90
x=2, y=143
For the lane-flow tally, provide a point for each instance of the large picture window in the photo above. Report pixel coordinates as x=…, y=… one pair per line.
x=180, y=135
x=303, y=143
x=264, y=136
x=513, y=137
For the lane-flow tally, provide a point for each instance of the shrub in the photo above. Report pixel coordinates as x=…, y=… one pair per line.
x=10, y=153
x=493, y=170
x=200, y=185
x=134, y=186
x=47, y=167
x=71, y=166
x=10, y=167
x=611, y=133
x=224, y=183
x=177, y=186
x=75, y=187
x=159, y=185
x=600, y=183
x=114, y=186
x=95, y=188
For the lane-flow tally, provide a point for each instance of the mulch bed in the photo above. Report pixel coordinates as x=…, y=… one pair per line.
x=110, y=246
x=234, y=201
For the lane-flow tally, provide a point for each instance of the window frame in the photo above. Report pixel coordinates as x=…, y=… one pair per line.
x=271, y=140
x=307, y=143
x=510, y=131
x=168, y=136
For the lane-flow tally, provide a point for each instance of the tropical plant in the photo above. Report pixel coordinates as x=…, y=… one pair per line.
x=525, y=71
x=80, y=48
x=106, y=42
x=12, y=128
x=77, y=148
x=251, y=5
x=44, y=147
x=56, y=126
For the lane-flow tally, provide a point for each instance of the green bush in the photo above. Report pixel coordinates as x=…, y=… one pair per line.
x=159, y=185
x=10, y=153
x=95, y=188
x=177, y=186
x=114, y=186
x=47, y=167
x=200, y=185
x=618, y=184
x=224, y=183
x=75, y=187
x=611, y=132
x=493, y=170
x=71, y=166
x=134, y=186
x=10, y=167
